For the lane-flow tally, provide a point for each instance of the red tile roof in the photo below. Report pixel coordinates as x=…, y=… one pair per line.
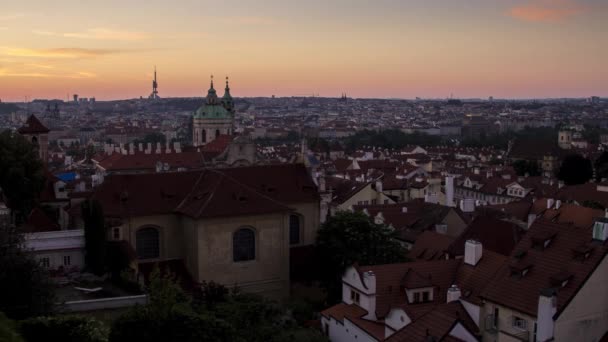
x=521, y=292
x=494, y=234
x=32, y=126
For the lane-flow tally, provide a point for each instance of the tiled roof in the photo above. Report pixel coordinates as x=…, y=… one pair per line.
x=32, y=126
x=147, y=162
x=494, y=234
x=208, y=192
x=521, y=292
x=430, y=245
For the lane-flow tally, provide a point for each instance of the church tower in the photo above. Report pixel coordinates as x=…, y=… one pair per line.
x=34, y=131
x=214, y=118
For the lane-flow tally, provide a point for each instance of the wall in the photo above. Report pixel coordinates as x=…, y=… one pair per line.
x=310, y=214
x=505, y=323
x=474, y=311
x=171, y=236
x=267, y=274
x=346, y=332
x=586, y=317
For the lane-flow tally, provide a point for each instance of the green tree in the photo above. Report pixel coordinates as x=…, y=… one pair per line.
x=575, y=169
x=601, y=166
x=348, y=238
x=21, y=173
x=25, y=288
x=94, y=236
x=168, y=317
x=8, y=330
x=529, y=167
x=64, y=328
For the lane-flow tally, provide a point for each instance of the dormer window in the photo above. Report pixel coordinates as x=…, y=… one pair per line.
x=583, y=252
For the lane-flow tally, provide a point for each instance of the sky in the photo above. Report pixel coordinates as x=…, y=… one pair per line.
x=365, y=48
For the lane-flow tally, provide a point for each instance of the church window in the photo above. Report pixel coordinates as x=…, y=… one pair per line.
x=243, y=245
x=147, y=243
x=294, y=229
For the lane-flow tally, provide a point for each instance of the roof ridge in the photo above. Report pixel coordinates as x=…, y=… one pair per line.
x=249, y=188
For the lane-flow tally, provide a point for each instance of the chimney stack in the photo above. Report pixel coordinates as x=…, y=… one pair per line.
x=453, y=293
x=472, y=252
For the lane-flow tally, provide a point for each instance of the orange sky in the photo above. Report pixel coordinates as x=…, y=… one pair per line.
x=384, y=48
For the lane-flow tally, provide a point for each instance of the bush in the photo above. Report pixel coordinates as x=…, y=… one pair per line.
x=64, y=329
x=8, y=330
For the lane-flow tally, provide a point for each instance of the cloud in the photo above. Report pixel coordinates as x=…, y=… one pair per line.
x=63, y=53
x=547, y=10
x=4, y=72
x=7, y=17
x=250, y=20
x=98, y=34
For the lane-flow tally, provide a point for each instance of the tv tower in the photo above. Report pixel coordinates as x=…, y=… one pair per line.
x=154, y=95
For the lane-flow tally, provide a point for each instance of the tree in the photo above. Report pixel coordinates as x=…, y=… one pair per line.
x=601, y=166
x=168, y=317
x=64, y=328
x=21, y=173
x=8, y=330
x=94, y=236
x=529, y=167
x=575, y=169
x=25, y=288
x=349, y=238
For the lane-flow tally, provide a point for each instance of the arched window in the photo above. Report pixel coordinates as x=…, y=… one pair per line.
x=217, y=133
x=204, y=136
x=35, y=140
x=147, y=243
x=243, y=245
x=294, y=229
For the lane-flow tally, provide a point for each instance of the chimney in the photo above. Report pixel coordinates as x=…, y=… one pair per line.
x=149, y=148
x=560, y=184
x=404, y=210
x=467, y=205
x=168, y=148
x=369, y=281
x=600, y=229
x=379, y=186
x=547, y=307
x=453, y=293
x=449, y=191
x=131, y=148
x=158, y=148
x=558, y=204
x=550, y=202
x=322, y=185
x=177, y=147
x=141, y=147
x=476, y=170
x=472, y=252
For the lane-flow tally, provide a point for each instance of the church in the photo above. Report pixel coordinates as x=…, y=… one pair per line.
x=236, y=226
x=214, y=118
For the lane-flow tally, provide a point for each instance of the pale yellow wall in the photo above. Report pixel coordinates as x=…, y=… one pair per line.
x=455, y=224
x=268, y=274
x=170, y=234
x=309, y=213
x=586, y=317
x=366, y=194
x=505, y=322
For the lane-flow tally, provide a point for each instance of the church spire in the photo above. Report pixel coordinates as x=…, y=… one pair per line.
x=211, y=94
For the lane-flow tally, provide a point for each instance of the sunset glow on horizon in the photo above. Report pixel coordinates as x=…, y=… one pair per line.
x=383, y=48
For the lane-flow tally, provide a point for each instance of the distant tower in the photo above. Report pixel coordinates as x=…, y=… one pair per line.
x=34, y=131
x=565, y=139
x=154, y=95
x=76, y=98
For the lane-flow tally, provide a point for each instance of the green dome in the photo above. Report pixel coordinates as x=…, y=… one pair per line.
x=212, y=112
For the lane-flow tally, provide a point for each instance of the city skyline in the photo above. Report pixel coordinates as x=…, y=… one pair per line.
x=396, y=49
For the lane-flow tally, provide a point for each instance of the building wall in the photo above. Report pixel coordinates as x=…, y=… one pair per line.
x=506, y=331
x=268, y=274
x=56, y=258
x=586, y=317
x=171, y=237
x=310, y=215
x=345, y=331
x=455, y=224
